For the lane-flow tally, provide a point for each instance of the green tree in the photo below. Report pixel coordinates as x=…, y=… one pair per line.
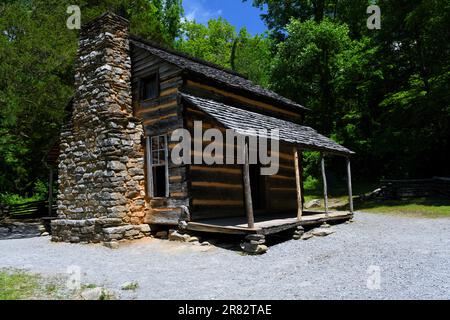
x=279, y=13
x=415, y=105
x=252, y=56
x=305, y=65
x=219, y=43
x=37, y=54
x=213, y=42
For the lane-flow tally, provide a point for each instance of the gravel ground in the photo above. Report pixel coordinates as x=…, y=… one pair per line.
x=412, y=255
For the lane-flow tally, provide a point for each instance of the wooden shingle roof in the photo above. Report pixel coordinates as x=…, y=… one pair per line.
x=249, y=123
x=212, y=71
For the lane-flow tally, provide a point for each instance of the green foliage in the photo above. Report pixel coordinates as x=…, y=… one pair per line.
x=40, y=192
x=383, y=93
x=253, y=57
x=311, y=183
x=40, y=189
x=37, y=54
x=17, y=285
x=219, y=43
x=306, y=64
x=156, y=20
x=280, y=13
x=212, y=42
x=422, y=207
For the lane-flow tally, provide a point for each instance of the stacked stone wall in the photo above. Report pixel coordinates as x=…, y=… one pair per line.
x=101, y=166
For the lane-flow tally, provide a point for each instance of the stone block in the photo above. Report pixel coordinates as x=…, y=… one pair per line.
x=111, y=245
x=176, y=236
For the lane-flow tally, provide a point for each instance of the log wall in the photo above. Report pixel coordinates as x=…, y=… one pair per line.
x=282, y=186
x=220, y=94
x=217, y=190
x=161, y=115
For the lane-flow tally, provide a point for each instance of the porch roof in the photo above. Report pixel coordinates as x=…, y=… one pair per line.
x=249, y=123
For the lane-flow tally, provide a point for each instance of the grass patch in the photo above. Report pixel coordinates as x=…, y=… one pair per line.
x=338, y=200
x=18, y=285
x=431, y=208
x=338, y=191
x=132, y=286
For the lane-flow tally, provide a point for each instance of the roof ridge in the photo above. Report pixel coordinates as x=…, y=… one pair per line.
x=163, y=47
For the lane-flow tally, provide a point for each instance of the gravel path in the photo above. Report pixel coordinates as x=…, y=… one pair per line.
x=412, y=255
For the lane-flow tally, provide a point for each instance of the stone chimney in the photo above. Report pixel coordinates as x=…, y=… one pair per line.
x=101, y=166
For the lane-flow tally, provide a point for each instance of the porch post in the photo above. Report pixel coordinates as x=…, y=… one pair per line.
x=50, y=191
x=325, y=187
x=298, y=180
x=349, y=185
x=248, y=190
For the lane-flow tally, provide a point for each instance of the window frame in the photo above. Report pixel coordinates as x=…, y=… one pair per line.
x=151, y=165
x=142, y=82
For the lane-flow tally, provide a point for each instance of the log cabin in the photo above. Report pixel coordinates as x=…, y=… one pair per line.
x=117, y=178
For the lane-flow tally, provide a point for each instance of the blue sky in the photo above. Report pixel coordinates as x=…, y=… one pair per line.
x=238, y=13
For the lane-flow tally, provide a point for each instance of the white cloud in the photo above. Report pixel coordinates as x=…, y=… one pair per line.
x=196, y=10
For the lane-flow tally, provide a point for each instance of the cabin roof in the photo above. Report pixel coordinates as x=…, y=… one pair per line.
x=212, y=71
x=247, y=122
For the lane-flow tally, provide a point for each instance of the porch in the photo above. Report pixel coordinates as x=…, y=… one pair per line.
x=257, y=196
x=269, y=223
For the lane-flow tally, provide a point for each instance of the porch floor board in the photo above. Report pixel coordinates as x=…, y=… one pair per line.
x=266, y=224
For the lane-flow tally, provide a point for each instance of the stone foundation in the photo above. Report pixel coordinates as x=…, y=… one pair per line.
x=96, y=231
x=254, y=244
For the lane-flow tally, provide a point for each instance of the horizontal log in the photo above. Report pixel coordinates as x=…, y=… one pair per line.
x=212, y=213
x=281, y=184
x=285, y=156
x=288, y=167
x=283, y=189
x=202, y=195
x=168, y=92
x=158, y=107
x=280, y=177
x=217, y=177
x=217, y=202
x=163, y=216
x=180, y=195
x=201, y=227
x=244, y=100
x=152, y=103
x=160, y=118
x=173, y=179
x=215, y=169
x=216, y=185
x=175, y=82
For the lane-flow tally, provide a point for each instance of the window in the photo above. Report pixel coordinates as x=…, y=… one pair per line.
x=150, y=87
x=157, y=167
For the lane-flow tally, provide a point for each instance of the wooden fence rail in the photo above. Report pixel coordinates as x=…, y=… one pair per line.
x=435, y=187
x=31, y=210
